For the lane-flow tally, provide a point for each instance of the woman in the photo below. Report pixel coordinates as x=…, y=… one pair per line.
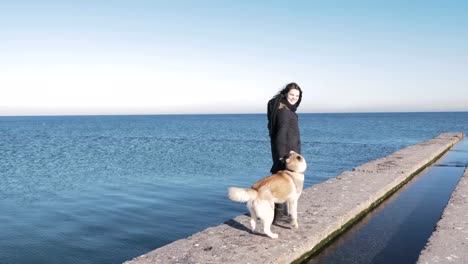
x=284, y=125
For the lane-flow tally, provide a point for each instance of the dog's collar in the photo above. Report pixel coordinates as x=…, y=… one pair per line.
x=291, y=171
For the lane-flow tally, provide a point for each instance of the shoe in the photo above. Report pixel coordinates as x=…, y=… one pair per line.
x=282, y=219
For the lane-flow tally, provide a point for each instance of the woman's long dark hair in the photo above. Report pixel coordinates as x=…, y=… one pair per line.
x=290, y=86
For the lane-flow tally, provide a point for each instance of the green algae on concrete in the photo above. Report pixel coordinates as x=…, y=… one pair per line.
x=325, y=210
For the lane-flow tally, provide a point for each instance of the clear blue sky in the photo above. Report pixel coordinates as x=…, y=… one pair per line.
x=152, y=57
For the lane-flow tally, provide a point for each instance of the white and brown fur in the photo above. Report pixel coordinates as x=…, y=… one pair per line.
x=282, y=187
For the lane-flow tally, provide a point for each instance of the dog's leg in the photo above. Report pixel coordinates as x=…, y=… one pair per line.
x=253, y=216
x=293, y=207
x=266, y=228
x=266, y=212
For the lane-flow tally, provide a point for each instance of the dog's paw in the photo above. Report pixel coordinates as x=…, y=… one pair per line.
x=273, y=235
x=253, y=225
x=295, y=224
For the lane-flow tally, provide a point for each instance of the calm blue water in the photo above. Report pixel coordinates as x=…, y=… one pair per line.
x=105, y=189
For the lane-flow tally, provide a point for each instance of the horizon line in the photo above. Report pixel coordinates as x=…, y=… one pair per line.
x=252, y=113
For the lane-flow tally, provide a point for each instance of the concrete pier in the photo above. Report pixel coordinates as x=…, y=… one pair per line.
x=449, y=242
x=325, y=210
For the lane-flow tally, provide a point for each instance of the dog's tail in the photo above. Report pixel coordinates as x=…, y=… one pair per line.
x=241, y=195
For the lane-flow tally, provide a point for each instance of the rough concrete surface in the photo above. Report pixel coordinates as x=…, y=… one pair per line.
x=324, y=209
x=449, y=242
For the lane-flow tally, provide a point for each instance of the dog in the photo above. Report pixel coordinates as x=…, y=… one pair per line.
x=283, y=186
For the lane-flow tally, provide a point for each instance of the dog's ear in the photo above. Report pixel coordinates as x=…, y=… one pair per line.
x=284, y=160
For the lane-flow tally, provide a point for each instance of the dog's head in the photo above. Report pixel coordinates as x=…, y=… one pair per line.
x=295, y=162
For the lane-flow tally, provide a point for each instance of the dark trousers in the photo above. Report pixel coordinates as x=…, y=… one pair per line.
x=281, y=210
x=277, y=163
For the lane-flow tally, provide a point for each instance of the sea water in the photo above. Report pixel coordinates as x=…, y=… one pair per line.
x=105, y=189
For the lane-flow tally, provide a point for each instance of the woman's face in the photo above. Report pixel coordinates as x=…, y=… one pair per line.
x=293, y=96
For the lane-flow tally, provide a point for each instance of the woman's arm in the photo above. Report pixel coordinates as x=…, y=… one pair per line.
x=282, y=127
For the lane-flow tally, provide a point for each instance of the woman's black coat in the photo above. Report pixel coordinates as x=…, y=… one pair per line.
x=285, y=137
